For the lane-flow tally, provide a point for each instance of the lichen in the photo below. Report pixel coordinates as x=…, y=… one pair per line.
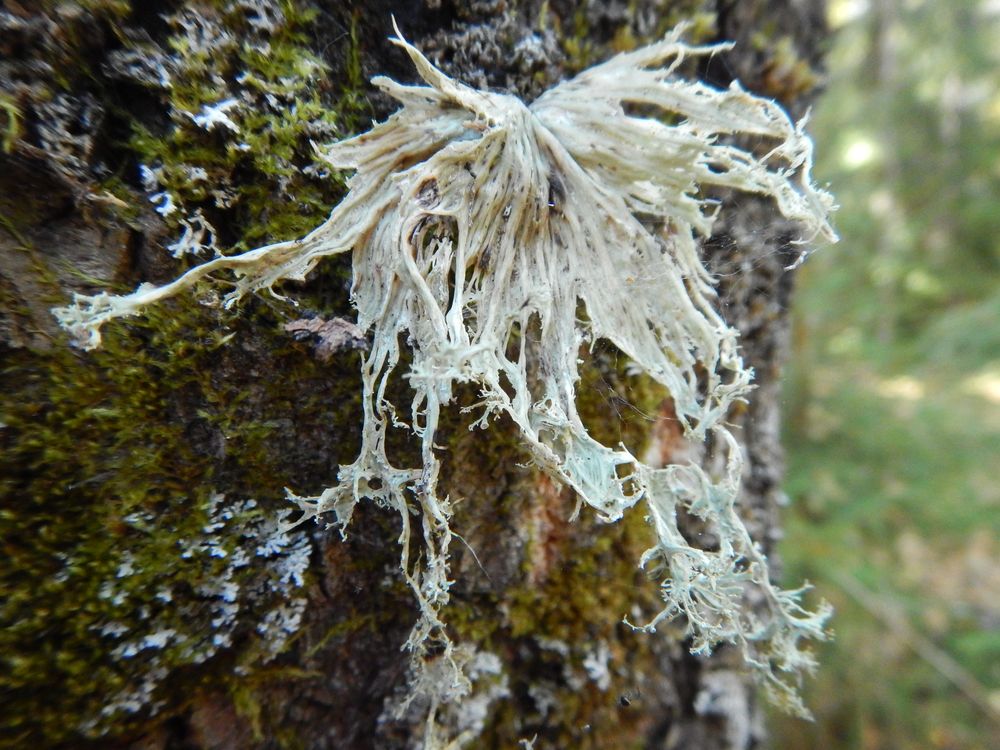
x=495, y=239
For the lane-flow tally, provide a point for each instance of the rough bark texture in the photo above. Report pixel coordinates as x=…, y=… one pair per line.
x=112, y=459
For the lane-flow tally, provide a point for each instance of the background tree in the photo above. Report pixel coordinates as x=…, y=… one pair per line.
x=149, y=601
x=894, y=397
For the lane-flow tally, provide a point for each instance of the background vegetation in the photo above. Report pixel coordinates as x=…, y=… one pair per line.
x=893, y=412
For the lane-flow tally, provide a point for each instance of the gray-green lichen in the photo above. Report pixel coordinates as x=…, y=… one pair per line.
x=496, y=239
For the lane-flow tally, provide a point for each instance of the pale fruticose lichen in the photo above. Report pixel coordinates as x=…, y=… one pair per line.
x=496, y=239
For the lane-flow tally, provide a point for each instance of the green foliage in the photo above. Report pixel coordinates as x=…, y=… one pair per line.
x=912, y=119
x=895, y=389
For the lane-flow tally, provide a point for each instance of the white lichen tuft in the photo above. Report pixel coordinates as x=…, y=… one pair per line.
x=497, y=239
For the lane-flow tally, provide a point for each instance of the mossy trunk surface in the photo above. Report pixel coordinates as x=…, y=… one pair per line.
x=140, y=607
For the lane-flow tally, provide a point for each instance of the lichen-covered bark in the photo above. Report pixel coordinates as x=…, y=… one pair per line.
x=112, y=465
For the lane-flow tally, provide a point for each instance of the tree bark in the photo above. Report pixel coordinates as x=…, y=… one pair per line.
x=126, y=473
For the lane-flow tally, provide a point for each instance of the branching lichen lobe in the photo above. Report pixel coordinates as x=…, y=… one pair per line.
x=480, y=229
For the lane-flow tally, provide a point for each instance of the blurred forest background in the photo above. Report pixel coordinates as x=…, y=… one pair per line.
x=893, y=399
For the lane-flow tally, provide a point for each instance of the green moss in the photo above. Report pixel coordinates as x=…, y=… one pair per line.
x=617, y=405
x=117, y=9
x=577, y=44
x=352, y=103
x=583, y=48
x=354, y=622
x=784, y=75
x=287, y=103
x=12, y=127
x=113, y=458
x=579, y=605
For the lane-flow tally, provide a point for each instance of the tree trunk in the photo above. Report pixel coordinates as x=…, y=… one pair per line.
x=141, y=609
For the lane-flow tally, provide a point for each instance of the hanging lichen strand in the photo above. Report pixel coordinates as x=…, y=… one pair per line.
x=474, y=220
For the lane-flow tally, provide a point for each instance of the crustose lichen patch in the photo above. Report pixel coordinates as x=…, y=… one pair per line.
x=495, y=239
